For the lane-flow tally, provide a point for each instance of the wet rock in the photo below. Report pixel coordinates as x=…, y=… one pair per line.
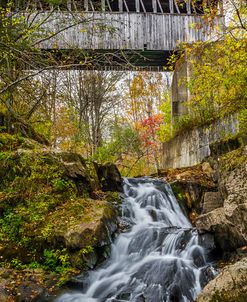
x=153, y=214
x=140, y=298
x=229, y=286
x=84, y=258
x=207, y=241
x=207, y=274
x=124, y=296
x=161, y=283
x=190, y=196
x=124, y=224
x=197, y=257
x=78, y=282
x=242, y=251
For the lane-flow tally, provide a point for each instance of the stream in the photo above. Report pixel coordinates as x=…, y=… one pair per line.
x=160, y=257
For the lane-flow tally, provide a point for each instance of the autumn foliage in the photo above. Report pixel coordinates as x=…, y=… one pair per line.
x=148, y=129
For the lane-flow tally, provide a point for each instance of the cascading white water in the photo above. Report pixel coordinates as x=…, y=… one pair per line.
x=159, y=259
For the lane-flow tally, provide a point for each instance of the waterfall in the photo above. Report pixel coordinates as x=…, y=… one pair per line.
x=159, y=258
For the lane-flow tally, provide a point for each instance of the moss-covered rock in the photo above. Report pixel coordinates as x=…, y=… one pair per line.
x=44, y=197
x=79, y=223
x=53, y=214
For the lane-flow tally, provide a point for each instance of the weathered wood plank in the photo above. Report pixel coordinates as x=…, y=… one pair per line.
x=125, y=31
x=92, y=5
x=188, y=6
x=109, y=5
x=120, y=5
x=126, y=5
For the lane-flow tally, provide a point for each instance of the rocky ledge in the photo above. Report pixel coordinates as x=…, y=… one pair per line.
x=214, y=195
x=228, y=221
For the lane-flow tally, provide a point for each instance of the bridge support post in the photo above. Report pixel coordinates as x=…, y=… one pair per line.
x=137, y=6
x=155, y=6
x=188, y=6
x=86, y=5
x=221, y=7
x=120, y=5
x=103, y=5
x=171, y=6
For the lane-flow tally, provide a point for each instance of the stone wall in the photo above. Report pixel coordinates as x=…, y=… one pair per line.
x=193, y=146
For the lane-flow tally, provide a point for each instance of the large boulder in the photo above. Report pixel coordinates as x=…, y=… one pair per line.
x=229, y=286
x=96, y=231
x=54, y=216
x=227, y=235
x=83, y=226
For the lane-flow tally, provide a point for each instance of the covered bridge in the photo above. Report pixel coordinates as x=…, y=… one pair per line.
x=143, y=32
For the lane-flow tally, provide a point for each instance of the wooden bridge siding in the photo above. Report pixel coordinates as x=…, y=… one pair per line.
x=132, y=31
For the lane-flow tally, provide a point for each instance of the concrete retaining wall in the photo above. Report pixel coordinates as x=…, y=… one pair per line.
x=191, y=147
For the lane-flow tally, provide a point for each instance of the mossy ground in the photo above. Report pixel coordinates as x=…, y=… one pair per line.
x=10, y=142
x=234, y=159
